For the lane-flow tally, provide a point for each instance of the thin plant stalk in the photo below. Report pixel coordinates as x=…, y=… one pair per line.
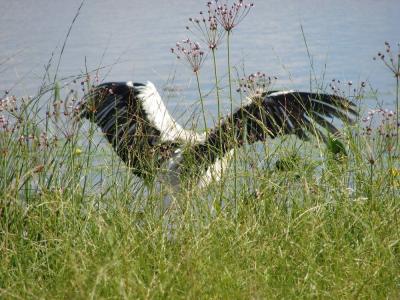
x=371, y=180
x=233, y=125
x=216, y=85
x=218, y=97
x=397, y=101
x=201, y=100
x=219, y=121
x=91, y=133
x=397, y=74
x=229, y=70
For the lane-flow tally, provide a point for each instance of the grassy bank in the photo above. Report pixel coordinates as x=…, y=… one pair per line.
x=308, y=222
x=345, y=249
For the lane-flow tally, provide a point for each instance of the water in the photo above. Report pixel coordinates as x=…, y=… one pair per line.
x=131, y=40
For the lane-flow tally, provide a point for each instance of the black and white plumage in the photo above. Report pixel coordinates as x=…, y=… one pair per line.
x=136, y=122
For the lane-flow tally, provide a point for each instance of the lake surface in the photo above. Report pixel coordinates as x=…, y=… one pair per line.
x=131, y=40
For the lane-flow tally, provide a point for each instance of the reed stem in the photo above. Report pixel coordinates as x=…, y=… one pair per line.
x=201, y=101
x=233, y=125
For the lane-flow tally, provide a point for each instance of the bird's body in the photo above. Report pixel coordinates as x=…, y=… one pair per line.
x=137, y=124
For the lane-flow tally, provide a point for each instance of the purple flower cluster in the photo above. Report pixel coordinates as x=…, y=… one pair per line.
x=391, y=60
x=8, y=103
x=35, y=138
x=210, y=27
x=229, y=16
x=40, y=140
x=8, y=107
x=3, y=122
x=207, y=27
x=347, y=89
x=255, y=84
x=191, y=52
x=381, y=122
x=26, y=131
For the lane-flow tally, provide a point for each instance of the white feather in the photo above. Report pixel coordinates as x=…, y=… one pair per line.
x=160, y=118
x=279, y=93
x=170, y=176
x=215, y=171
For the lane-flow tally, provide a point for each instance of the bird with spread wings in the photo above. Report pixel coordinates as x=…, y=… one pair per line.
x=135, y=121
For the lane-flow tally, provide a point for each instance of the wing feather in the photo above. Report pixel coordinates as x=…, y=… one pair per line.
x=274, y=114
x=293, y=110
x=124, y=112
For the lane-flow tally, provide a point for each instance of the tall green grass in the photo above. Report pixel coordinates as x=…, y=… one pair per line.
x=296, y=219
x=74, y=223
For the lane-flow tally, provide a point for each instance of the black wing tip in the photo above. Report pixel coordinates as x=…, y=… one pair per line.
x=298, y=106
x=336, y=100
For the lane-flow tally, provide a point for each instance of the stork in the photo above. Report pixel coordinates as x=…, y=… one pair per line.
x=137, y=124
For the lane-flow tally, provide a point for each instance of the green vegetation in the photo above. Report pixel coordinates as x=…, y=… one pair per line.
x=297, y=220
x=308, y=222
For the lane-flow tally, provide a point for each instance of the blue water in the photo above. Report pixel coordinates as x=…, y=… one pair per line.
x=130, y=40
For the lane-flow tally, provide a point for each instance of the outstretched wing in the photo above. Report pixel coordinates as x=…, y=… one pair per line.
x=290, y=112
x=274, y=114
x=136, y=123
